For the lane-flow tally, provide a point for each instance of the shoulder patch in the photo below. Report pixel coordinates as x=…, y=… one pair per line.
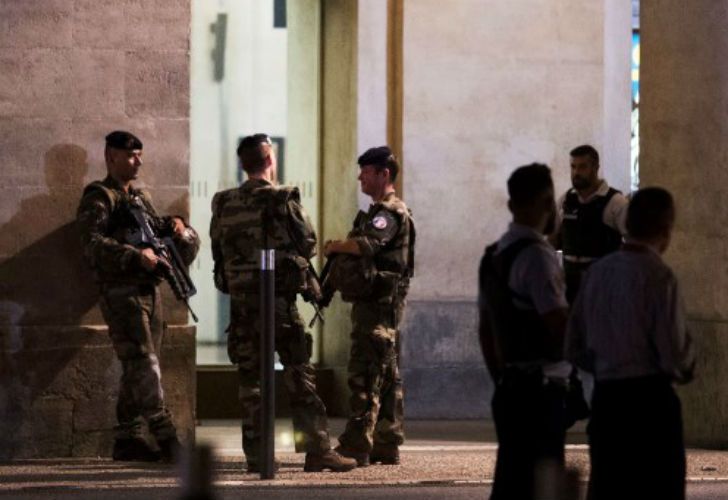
x=110, y=197
x=379, y=222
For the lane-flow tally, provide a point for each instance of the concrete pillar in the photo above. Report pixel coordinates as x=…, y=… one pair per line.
x=339, y=125
x=72, y=72
x=683, y=130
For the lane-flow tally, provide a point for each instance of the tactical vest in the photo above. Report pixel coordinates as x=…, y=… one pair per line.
x=255, y=216
x=121, y=227
x=121, y=222
x=520, y=333
x=384, y=277
x=584, y=232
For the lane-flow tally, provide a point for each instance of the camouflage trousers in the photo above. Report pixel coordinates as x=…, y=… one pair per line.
x=134, y=316
x=377, y=403
x=293, y=346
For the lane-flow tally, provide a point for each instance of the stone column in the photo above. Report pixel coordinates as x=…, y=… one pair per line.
x=72, y=71
x=339, y=126
x=684, y=148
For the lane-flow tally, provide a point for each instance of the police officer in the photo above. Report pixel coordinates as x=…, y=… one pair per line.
x=591, y=218
x=130, y=298
x=372, y=269
x=523, y=313
x=260, y=214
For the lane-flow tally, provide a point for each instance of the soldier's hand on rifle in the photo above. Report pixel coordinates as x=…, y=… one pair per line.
x=312, y=293
x=341, y=246
x=149, y=259
x=328, y=248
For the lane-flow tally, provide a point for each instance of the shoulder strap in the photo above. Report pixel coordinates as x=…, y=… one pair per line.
x=283, y=194
x=570, y=198
x=503, y=262
x=610, y=193
x=98, y=187
x=396, y=206
x=146, y=200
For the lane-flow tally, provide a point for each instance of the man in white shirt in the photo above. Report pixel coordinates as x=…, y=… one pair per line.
x=628, y=329
x=523, y=315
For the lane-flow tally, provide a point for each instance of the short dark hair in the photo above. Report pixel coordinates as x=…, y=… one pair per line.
x=586, y=150
x=121, y=139
x=650, y=213
x=528, y=182
x=252, y=156
x=380, y=158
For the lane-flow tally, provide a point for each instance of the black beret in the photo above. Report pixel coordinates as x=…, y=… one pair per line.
x=376, y=156
x=120, y=139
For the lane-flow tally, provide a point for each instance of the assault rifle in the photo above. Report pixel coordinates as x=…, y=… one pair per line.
x=171, y=266
x=312, y=294
x=320, y=298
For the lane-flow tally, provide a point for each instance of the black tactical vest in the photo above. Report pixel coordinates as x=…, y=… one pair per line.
x=122, y=225
x=584, y=233
x=520, y=333
x=123, y=229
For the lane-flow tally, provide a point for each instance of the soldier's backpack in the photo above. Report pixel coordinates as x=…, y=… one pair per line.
x=249, y=220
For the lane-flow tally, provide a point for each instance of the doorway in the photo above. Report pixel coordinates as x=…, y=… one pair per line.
x=255, y=67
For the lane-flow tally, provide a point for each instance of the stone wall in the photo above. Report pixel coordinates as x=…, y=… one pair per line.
x=71, y=72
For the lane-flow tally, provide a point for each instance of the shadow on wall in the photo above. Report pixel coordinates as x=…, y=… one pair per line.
x=46, y=289
x=47, y=282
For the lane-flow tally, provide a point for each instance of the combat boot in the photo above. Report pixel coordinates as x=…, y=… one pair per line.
x=386, y=454
x=170, y=449
x=361, y=457
x=330, y=459
x=134, y=450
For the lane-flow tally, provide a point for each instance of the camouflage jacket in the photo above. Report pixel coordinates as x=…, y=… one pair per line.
x=253, y=216
x=105, y=228
x=386, y=239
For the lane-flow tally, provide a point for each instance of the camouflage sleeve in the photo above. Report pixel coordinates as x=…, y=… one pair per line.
x=302, y=229
x=165, y=224
x=103, y=253
x=215, y=232
x=377, y=232
x=188, y=243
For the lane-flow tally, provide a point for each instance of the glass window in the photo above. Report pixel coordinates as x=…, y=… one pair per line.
x=254, y=68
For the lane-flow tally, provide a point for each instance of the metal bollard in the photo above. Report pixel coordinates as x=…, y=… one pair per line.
x=197, y=474
x=267, y=364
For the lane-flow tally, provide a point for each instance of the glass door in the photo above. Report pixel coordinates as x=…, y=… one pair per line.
x=255, y=67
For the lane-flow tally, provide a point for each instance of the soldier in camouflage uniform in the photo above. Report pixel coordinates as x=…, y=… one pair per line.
x=372, y=269
x=130, y=298
x=244, y=220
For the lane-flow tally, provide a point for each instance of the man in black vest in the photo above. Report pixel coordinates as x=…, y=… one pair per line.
x=523, y=313
x=590, y=220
